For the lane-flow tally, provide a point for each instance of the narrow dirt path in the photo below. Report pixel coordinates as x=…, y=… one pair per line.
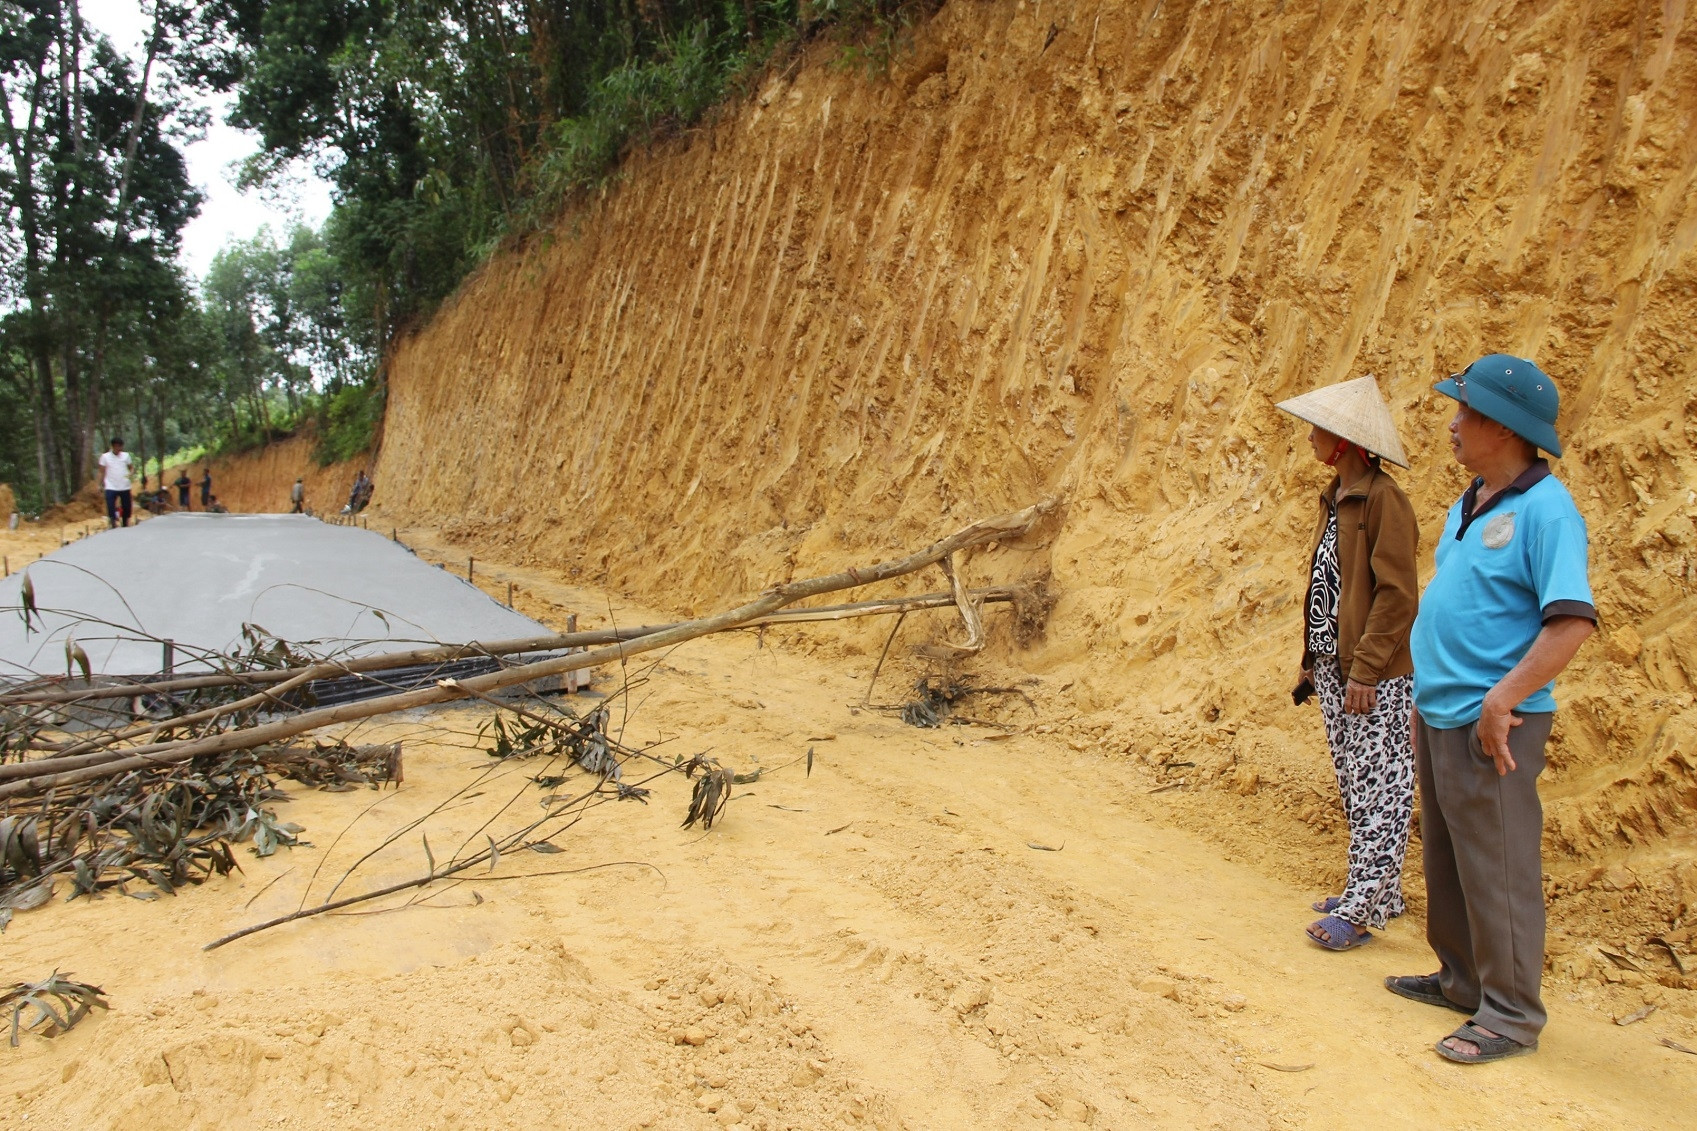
x=933, y=929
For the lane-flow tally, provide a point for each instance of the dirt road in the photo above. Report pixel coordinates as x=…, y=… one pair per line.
x=935, y=929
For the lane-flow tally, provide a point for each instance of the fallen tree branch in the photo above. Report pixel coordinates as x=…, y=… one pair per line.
x=92, y=752
x=508, y=845
x=130, y=689
x=259, y=698
x=767, y=603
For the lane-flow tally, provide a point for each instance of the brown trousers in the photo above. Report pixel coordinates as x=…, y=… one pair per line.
x=1481, y=836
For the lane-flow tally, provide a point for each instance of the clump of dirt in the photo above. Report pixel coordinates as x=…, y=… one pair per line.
x=90, y=502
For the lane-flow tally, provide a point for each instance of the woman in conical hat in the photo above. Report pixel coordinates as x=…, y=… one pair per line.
x=1360, y=604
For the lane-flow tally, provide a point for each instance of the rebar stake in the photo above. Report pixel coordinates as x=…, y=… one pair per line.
x=571, y=676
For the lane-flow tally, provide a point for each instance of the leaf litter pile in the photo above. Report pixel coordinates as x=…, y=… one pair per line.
x=151, y=832
x=141, y=787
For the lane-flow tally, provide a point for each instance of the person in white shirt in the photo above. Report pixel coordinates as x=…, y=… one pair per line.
x=115, y=477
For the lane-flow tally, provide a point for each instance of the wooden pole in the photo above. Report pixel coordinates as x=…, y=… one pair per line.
x=572, y=682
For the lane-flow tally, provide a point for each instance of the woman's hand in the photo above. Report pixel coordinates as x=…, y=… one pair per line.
x=1304, y=688
x=1360, y=698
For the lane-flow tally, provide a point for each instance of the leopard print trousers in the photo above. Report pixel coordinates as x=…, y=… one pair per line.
x=1373, y=756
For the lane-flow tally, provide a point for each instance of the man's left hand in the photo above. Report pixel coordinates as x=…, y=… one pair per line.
x=1495, y=721
x=1360, y=698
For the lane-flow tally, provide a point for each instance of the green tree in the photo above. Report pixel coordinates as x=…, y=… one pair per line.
x=94, y=195
x=447, y=125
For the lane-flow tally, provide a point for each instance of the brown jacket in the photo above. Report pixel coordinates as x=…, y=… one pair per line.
x=1378, y=590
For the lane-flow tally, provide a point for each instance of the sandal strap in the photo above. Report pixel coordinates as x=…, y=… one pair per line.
x=1474, y=1035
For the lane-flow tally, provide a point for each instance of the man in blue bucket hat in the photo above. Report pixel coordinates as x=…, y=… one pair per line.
x=1506, y=611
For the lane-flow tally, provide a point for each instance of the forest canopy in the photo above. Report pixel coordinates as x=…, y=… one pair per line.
x=444, y=128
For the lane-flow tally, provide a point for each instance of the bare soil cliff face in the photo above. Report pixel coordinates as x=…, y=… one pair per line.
x=1080, y=250
x=259, y=481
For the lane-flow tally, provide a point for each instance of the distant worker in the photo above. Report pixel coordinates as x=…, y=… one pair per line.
x=216, y=507
x=297, y=496
x=206, y=486
x=356, y=496
x=1506, y=611
x=1361, y=598
x=183, y=484
x=115, y=478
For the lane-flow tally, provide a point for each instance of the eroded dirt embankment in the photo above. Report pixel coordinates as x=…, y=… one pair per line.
x=259, y=481
x=1080, y=250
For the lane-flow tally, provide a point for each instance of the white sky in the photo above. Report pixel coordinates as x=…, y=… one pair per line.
x=226, y=214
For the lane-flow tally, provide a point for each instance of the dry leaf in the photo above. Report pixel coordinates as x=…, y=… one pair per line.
x=1620, y=960
x=1634, y=1018
x=1286, y=1067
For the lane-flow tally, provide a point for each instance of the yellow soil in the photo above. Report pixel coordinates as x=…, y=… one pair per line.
x=34, y=540
x=258, y=482
x=875, y=944
x=1080, y=250
x=1064, y=249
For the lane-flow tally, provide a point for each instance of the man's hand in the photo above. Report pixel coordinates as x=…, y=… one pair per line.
x=1495, y=721
x=1360, y=698
x=1553, y=649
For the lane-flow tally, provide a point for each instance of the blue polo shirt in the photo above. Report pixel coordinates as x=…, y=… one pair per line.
x=1503, y=570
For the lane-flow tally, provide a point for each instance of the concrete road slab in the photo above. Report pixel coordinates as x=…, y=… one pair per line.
x=196, y=579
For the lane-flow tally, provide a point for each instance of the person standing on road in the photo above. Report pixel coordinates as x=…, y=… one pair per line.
x=205, y=487
x=1505, y=613
x=297, y=496
x=183, y=484
x=1361, y=598
x=115, y=479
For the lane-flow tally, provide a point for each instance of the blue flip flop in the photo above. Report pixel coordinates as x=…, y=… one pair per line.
x=1328, y=905
x=1341, y=934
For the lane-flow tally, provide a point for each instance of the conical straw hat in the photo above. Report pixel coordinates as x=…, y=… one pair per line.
x=1354, y=411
